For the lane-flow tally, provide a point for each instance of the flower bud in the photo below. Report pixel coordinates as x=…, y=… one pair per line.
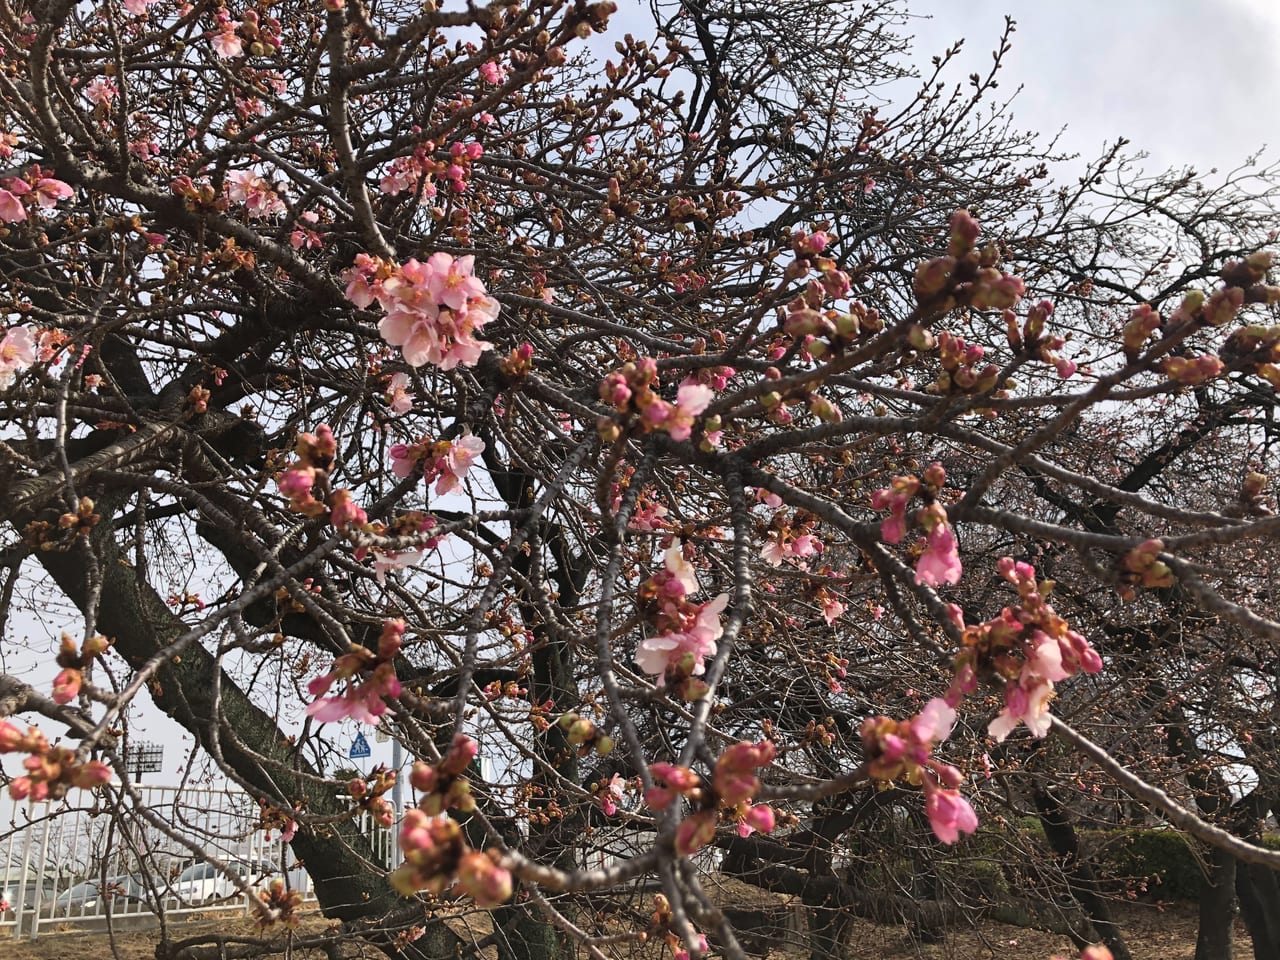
x=483, y=880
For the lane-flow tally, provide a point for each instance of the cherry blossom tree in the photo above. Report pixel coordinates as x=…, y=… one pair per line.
x=711, y=437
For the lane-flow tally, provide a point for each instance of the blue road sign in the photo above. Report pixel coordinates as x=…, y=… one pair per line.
x=359, y=747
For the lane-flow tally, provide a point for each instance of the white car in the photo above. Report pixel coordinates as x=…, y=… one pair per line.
x=201, y=884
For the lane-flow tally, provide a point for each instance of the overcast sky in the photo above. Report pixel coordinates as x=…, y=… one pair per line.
x=1192, y=82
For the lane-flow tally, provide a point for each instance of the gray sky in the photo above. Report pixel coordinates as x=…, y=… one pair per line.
x=1191, y=82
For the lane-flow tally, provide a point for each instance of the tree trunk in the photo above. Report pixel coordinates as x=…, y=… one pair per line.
x=1260, y=907
x=1214, y=940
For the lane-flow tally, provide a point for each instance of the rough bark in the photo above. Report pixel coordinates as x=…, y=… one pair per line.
x=1214, y=940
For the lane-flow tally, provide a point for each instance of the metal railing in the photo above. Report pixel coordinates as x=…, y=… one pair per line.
x=65, y=863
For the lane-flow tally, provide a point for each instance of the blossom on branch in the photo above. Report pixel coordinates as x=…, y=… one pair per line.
x=17, y=350
x=433, y=309
x=368, y=678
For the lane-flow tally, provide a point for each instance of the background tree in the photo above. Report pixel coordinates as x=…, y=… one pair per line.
x=658, y=423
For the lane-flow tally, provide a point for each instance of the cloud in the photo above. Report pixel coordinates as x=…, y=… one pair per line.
x=1186, y=81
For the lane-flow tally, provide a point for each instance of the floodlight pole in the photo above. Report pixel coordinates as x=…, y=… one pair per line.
x=397, y=794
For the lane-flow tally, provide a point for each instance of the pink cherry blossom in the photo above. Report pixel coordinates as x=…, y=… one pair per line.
x=691, y=400
x=655, y=654
x=11, y=208
x=1044, y=659
x=780, y=547
x=933, y=724
x=768, y=498
x=403, y=460
x=399, y=397
x=681, y=570
x=245, y=186
x=772, y=553
x=695, y=832
x=492, y=72
x=832, y=608
x=100, y=90
x=345, y=513
x=17, y=352
x=66, y=685
x=138, y=7
x=611, y=793
x=451, y=281
x=949, y=814
x=1027, y=703
x=384, y=562
x=683, y=954
x=226, y=43
x=433, y=308
x=368, y=678
x=49, y=191
x=940, y=562
x=462, y=455
x=759, y=817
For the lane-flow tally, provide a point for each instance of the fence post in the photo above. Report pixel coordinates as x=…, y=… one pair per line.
x=22, y=884
x=44, y=859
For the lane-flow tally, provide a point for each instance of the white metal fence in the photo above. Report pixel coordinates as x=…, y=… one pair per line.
x=68, y=863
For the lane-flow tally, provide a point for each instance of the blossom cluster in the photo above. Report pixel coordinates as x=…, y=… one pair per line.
x=272, y=818
x=791, y=539
x=686, y=631
x=435, y=852
x=1032, y=340
x=368, y=678
x=260, y=199
x=1027, y=645
x=368, y=793
x=1030, y=647
x=1256, y=349
x=939, y=561
x=398, y=395
x=66, y=685
x=896, y=749
x=422, y=170
x=610, y=793
x=279, y=903
x=828, y=331
x=647, y=512
x=734, y=783
x=257, y=34
x=436, y=856
x=414, y=523
x=966, y=275
x=301, y=480
x=51, y=771
x=446, y=462
x=960, y=372
x=17, y=193
x=433, y=309
x=630, y=391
